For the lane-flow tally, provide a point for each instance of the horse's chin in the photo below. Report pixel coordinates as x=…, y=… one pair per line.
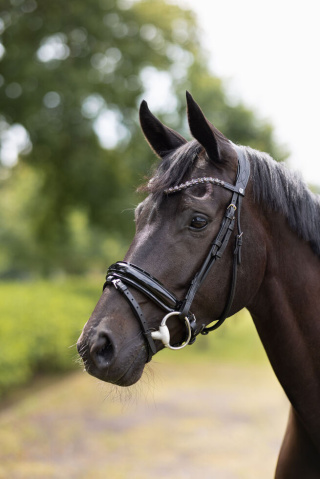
x=130, y=377
x=123, y=375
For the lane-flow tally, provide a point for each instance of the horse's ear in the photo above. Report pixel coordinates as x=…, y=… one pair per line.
x=202, y=130
x=161, y=138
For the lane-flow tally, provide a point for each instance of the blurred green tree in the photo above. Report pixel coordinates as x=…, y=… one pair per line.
x=72, y=76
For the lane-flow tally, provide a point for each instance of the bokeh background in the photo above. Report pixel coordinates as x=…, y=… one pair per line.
x=72, y=76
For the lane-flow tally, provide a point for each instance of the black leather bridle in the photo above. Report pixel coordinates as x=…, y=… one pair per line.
x=122, y=274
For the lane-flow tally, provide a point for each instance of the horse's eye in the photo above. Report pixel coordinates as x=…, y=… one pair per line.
x=198, y=223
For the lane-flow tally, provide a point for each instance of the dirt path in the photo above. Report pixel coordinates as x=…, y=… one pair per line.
x=189, y=421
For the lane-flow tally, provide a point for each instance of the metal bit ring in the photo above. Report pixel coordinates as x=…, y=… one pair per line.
x=163, y=334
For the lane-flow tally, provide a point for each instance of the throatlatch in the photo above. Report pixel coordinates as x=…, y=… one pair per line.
x=122, y=274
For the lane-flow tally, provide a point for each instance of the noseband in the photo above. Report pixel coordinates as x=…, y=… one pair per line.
x=122, y=274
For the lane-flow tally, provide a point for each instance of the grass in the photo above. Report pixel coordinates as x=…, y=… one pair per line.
x=41, y=321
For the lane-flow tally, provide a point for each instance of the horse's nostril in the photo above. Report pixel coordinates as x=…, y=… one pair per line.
x=102, y=351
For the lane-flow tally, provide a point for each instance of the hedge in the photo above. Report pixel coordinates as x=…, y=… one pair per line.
x=40, y=322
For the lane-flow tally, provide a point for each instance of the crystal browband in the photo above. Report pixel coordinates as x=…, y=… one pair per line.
x=202, y=180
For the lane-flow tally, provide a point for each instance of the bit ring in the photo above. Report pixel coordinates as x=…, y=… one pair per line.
x=163, y=334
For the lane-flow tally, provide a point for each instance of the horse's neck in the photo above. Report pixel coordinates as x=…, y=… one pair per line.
x=286, y=312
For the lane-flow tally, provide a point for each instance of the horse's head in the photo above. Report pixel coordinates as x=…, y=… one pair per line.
x=189, y=222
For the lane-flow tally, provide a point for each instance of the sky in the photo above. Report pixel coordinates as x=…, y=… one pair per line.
x=269, y=54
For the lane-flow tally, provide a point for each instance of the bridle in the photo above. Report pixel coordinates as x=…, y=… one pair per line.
x=122, y=274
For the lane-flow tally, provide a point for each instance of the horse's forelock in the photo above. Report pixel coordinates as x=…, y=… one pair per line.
x=173, y=168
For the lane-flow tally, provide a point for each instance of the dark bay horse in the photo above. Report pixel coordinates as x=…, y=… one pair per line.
x=223, y=227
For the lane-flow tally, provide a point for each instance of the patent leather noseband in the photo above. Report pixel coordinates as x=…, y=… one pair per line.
x=122, y=274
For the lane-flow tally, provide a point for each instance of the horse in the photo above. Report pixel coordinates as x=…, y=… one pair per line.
x=223, y=227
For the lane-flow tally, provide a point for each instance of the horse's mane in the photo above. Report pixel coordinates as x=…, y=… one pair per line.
x=274, y=186
x=282, y=190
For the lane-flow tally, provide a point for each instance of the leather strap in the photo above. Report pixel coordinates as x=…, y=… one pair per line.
x=138, y=314
x=236, y=262
x=134, y=276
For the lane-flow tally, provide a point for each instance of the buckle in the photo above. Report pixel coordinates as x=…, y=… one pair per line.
x=233, y=206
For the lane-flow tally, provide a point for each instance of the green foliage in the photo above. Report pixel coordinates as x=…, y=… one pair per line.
x=22, y=251
x=41, y=321
x=63, y=69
